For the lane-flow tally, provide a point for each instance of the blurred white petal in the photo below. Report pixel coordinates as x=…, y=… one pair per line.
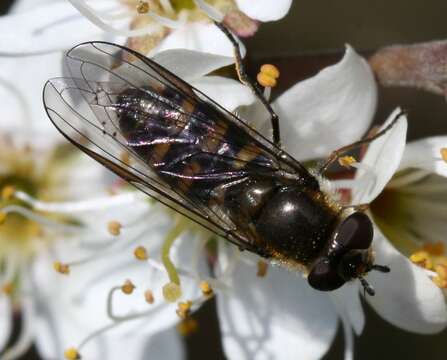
x=425, y=154
x=348, y=297
x=279, y=316
x=382, y=160
x=406, y=297
x=228, y=93
x=190, y=65
x=265, y=10
x=39, y=30
x=5, y=320
x=199, y=37
x=330, y=110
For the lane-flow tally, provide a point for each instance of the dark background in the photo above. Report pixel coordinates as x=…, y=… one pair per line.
x=315, y=35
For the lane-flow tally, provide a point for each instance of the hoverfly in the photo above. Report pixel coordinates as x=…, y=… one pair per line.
x=201, y=160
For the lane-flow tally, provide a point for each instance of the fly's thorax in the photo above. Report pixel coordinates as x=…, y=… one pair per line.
x=296, y=224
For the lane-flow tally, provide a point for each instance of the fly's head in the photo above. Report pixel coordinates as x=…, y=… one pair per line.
x=347, y=256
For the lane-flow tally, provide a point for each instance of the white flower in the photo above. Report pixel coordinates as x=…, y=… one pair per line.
x=162, y=25
x=406, y=186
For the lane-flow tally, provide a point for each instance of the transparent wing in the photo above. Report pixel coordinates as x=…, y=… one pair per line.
x=88, y=109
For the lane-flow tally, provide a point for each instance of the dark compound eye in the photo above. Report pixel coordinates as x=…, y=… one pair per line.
x=355, y=232
x=324, y=276
x=353, y=264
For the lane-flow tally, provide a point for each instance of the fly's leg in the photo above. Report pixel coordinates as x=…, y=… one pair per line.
x=245, y=79
x=339, y=153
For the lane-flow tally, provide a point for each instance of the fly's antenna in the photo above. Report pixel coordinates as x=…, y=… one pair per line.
x=381, y=268
x=366, y=287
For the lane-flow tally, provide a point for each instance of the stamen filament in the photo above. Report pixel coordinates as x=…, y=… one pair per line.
x=89, y=13
x=79, y=206
x=211, y=11
x=172, y=235
x=39, y=218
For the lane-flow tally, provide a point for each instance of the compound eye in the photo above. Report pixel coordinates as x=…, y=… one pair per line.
x=324, y=276
x=355, y=232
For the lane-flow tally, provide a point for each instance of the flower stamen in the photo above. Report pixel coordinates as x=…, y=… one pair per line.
x=187, y=326
x=184, y=309
x=114, y=227
x=268, y=75
x=149, y=296
x=61, y=268
x=432, y=257
x=72, y=354
x=128, y=287
x=172, y=290
x=444, y=154
x=141, y=253
x=347, y=161
x=262, y=269
x=8, y=192
x=143, y=7
x=206, y=288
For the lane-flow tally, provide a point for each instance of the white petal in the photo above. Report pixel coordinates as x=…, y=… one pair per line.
x=425, y=154
x=199, y=37
x=382, y=160
x=406, y=297
x=347, y=300
x=39, y=31
x=265, y=10
x=190, y=65
x=228, y=93
x=5, y=320
x=21, y=82
x=330, y=110
x=26, y=5
x=278, y=316
x=77, y=303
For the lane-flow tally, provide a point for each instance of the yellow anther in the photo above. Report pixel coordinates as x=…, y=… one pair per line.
x=143, y=7
x=141, y=253
x=128, y=287
x=184, y=309
x=440, y=282
x=2, y=217
x=72, y=354
x=61, y=268
x=347, y=161
x=270, y=70
x=436, y=249
x=422, y=258
x=8, y=192
x=265, y=80
x=187, y=326
x=7, y=288
x=206, y=288
x=172, y=292
x=114, y=227
x=149, y=296
x=262, y=268
x=267, y=76
x=441, y=270
x=444, y=154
